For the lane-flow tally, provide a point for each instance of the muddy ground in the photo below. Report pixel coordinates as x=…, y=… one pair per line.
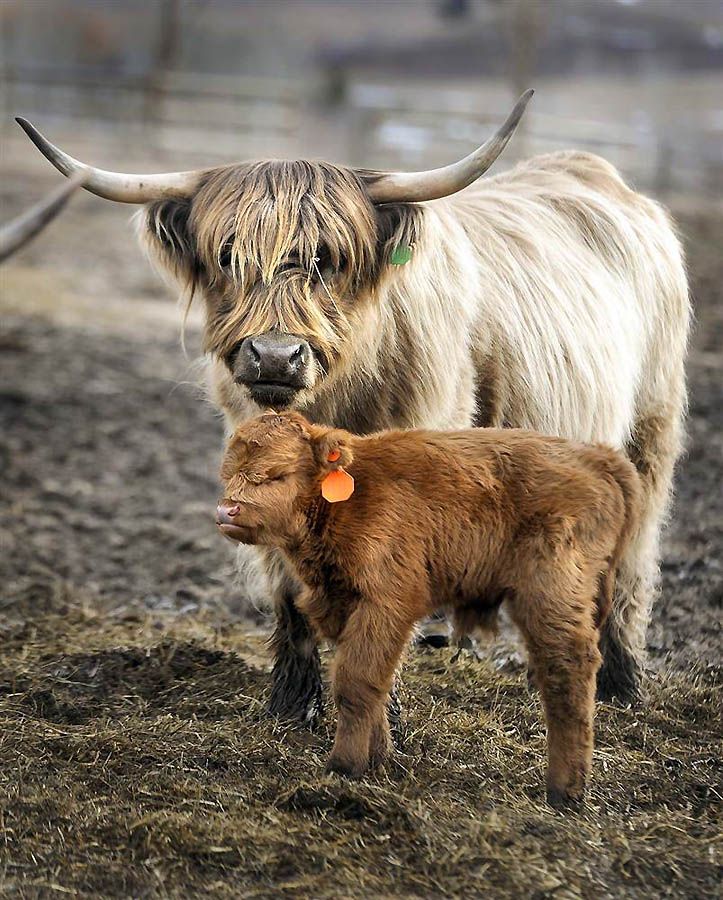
x=135, y=757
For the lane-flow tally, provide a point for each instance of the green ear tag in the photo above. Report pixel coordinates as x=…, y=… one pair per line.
x=401, y=255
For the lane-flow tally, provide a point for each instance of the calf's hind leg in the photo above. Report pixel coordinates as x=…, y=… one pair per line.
x=563, y=645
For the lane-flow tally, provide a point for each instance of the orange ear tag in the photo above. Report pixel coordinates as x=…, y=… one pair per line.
x=337, y=486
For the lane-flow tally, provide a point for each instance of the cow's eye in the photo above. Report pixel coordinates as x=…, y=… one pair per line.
x=290, y=264
x=225, y=257
x=324, y=265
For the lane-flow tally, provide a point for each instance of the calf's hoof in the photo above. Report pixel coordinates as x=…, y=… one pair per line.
x=560, y=798
x=467, y=646
x=338, y=765
x=435, y=641
x=379, y=753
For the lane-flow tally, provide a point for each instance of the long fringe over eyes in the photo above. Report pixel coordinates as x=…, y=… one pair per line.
x=257, y=237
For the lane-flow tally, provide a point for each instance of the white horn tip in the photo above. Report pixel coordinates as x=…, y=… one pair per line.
x=24, y=124
x=524, y=99
x=32, y=132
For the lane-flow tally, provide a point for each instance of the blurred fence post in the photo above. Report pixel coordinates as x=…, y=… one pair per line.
x=525, y=21
x=7, y=35
x=166, y=52
x=663, y=176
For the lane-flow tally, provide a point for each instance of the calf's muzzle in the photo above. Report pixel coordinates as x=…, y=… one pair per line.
x=225, y=513
x=230, y=524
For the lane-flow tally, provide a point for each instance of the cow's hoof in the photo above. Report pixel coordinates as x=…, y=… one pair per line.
x=620, y=687
x=296, y=690
x=435, y=641
x=396, y=718
x=467, y=646
x=303, y=708
x=433, y=632
x=620, y=676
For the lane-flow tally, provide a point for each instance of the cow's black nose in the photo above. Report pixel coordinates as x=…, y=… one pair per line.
x=272, y=365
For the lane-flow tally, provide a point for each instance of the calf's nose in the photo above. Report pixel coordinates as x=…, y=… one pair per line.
x=225, y=513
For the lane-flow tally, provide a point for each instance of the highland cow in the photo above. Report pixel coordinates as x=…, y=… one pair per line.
x=384, y=529
x=551, y=297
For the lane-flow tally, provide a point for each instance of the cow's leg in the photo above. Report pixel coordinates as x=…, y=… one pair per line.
x=296, y=691
x=654, y=449
x=367, y=657
x=562, y=642
x=296, y=688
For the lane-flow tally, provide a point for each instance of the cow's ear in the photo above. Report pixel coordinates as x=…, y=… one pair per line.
x=397, y=227
x=169, y=234
x=332, y=449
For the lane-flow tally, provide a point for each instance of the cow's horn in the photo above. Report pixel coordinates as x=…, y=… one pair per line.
x=114, y=185
x=435, y=183
x=21, y=230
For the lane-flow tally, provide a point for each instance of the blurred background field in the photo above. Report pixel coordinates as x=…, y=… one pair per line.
x=135, y=759
x=377, y=83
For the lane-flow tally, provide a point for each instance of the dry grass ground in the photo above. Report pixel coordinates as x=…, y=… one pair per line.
x=135, y=757
x=140, y=763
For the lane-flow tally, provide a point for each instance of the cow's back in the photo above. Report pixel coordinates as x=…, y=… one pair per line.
x=582, y=298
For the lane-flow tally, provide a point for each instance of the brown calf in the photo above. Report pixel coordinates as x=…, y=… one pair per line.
x=462, y=520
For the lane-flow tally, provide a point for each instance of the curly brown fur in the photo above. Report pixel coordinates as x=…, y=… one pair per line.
x=466, y=519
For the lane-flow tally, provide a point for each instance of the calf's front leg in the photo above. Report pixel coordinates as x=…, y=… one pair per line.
x=367, y=656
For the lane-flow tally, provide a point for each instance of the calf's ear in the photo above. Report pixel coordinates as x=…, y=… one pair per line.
x=332, y=449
